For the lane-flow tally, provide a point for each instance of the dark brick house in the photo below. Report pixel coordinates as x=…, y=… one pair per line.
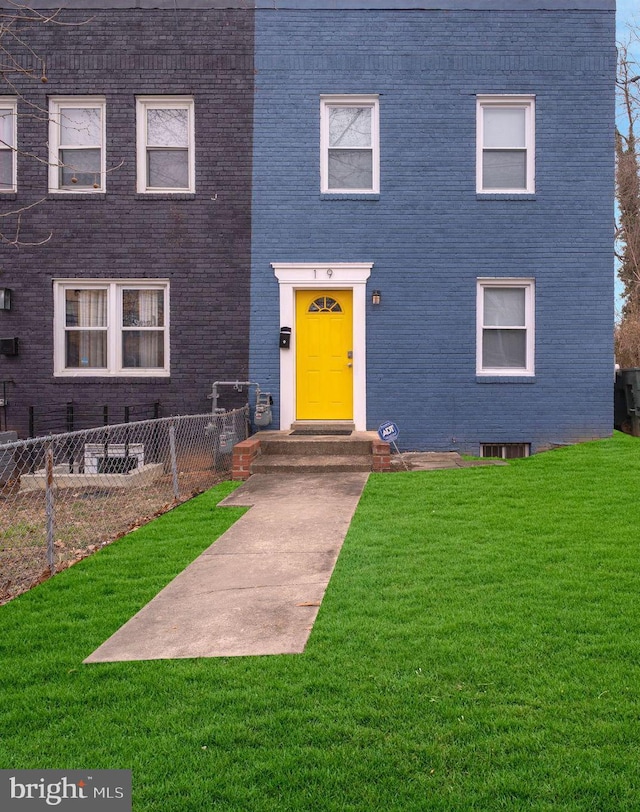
x=139, y=294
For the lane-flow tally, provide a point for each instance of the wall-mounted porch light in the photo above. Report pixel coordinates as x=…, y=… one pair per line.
x=376, y=297
x=5, y=298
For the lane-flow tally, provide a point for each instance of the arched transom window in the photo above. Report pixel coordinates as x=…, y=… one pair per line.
x=325, y=304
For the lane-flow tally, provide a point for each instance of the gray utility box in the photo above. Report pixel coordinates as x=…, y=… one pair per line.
x=7, y=461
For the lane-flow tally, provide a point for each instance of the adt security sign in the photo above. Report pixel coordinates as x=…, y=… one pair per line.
x=388, y=432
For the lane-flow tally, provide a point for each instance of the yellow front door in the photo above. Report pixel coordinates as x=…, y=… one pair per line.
x=324, y=363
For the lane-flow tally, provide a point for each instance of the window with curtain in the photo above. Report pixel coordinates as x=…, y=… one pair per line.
x=505, y=327
x=111, y=328
x=8, y=112
x=142, y=328
x=165, y=144
x=505, y=136
x=76, y=144
x=349, y=134
x=86, y=329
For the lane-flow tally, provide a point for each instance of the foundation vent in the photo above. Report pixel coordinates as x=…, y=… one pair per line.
x=505, y=451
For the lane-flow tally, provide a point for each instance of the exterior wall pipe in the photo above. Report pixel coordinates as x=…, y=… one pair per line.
x=236, y=385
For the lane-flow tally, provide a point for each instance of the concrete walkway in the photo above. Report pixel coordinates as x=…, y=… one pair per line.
x=256, y=590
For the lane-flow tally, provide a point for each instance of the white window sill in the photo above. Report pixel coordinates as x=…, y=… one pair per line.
x=372, y=196
x=505, y=195
x=178, y=195
x=102, y=374
x=506, y=378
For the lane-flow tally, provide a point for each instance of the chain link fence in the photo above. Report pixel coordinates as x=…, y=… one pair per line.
x=64, y=496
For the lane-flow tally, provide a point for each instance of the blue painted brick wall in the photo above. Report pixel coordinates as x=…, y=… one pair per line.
x=429, y=235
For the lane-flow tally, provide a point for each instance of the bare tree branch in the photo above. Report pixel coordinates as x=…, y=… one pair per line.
x=19, y=61
x=627, y=233
x=14, y=238
x=628, y=177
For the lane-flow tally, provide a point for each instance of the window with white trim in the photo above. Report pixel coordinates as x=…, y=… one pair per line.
x=165, y=144
x=349, y=145
x=505, y=144
x=505, y=340
x=8, y=117
x=77, y=137
x=111, y=328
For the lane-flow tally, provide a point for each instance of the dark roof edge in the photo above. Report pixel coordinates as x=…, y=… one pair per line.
x=279, y=5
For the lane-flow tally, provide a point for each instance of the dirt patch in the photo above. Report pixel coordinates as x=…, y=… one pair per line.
x=85, y=520
x=435, y=461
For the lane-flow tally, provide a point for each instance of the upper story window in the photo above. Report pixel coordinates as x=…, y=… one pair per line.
x=506, y=314
x=111, y=328
x=166, y=151
x=506, y=144
x=349, y=144
x=8, y=114
x=76, y=144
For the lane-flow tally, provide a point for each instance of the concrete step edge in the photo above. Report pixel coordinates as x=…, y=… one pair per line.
x=297, y=446
x=323, y=425
x=272, y=462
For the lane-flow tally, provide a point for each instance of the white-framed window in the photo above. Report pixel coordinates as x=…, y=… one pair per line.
x=8, y=141
x=77, y=135
x=505, y=338
x=505, y=144
x=349, y=145
x=165, y=144
x=105, y=327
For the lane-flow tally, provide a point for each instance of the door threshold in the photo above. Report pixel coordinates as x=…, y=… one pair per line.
x=319, y=427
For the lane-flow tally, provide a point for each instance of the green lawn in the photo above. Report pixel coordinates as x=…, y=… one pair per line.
x=478, y=649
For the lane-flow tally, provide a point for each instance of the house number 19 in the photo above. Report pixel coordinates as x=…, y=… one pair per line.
x=329, y=273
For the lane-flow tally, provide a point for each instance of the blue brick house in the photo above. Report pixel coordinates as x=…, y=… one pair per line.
x=377, y=209
x=432, y=204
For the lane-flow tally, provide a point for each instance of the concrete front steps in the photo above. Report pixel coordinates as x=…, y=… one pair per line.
x=291, y=452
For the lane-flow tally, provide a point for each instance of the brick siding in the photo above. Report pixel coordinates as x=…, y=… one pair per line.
x=199, y=242
x=429, y=235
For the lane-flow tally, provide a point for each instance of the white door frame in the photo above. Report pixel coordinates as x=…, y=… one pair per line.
x=293, y=276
